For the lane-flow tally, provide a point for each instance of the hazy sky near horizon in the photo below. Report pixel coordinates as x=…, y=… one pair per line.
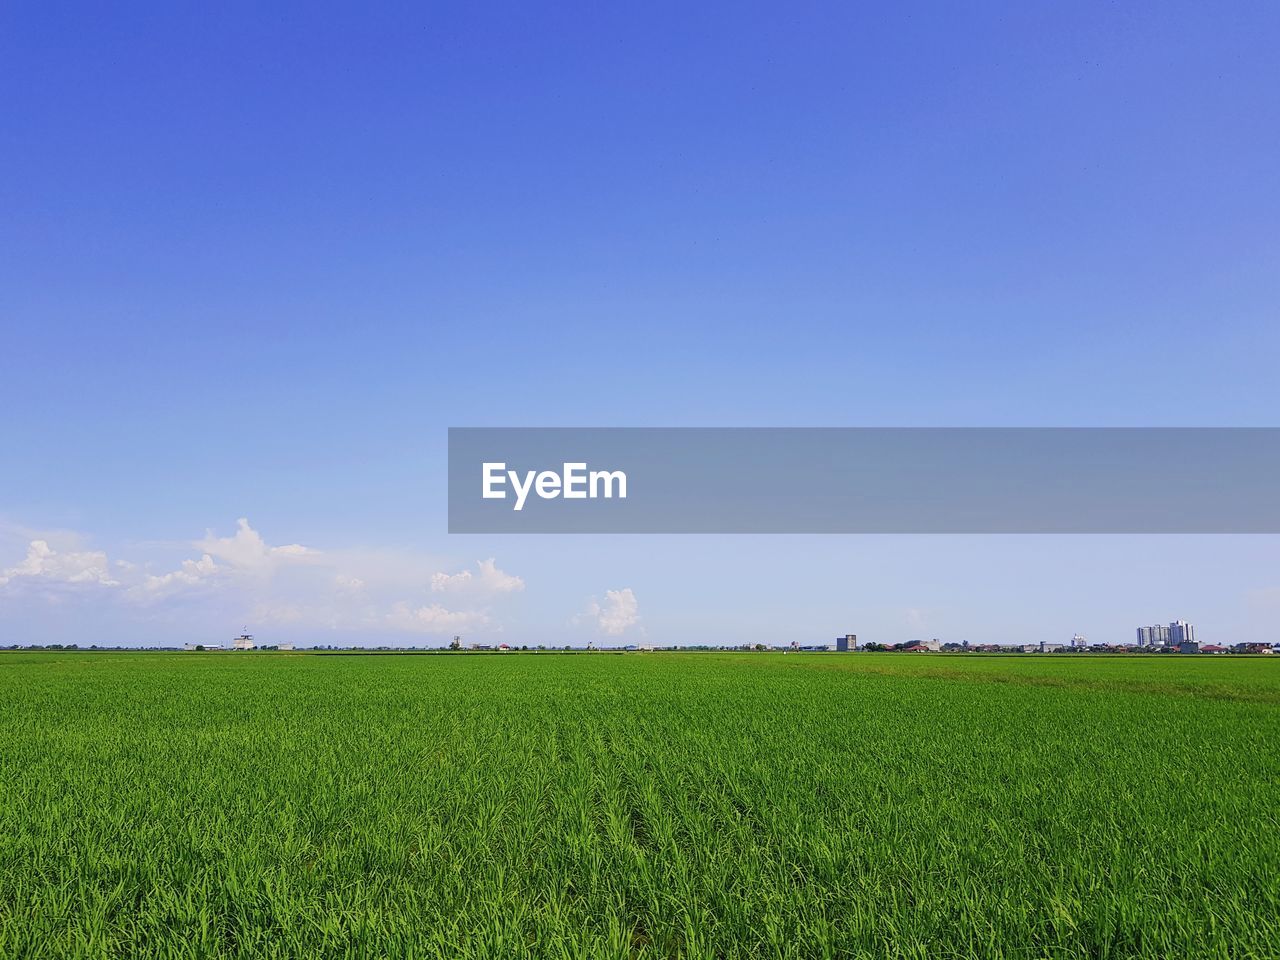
x=254, y=263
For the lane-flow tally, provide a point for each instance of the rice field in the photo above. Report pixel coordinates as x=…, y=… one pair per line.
x=654, y=805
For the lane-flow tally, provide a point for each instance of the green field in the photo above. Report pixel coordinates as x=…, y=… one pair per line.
x=655, y=805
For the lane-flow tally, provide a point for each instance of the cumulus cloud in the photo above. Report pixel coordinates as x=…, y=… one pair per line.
x=245, y=554
x=44, y=563
x=334, y=591
x=246, y=551
x=242, y=578
x=489, y=580
x=619, y=612
x=190, y=573
x=433, y=619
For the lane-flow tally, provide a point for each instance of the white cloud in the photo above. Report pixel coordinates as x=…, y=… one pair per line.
x=337, y=591
x=190, y=573
x=348, y=584
x=240, y=579
x=619, y=612
x=433, y=619
x=45, y=563
x=363, y=618
x=245, y=553
x=489, y=580
x=248, y=552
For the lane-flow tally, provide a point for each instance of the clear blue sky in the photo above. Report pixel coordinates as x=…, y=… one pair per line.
x=253, y=263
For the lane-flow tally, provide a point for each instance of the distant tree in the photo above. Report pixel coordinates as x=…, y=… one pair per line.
x=200, y=647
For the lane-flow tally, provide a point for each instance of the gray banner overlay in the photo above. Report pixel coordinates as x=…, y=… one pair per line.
x=865, y=480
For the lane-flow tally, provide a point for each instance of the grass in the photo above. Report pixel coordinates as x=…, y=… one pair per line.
x=658, y=805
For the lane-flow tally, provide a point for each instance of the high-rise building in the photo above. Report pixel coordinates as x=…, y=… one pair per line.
x=1181, y=632
x=1156, y=635
x=846, y=643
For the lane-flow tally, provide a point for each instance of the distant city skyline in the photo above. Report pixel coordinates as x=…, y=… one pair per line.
x=1158, y=635
x=251, y=273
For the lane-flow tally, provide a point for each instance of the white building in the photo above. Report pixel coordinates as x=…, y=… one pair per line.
x=1156, y=635
x=243, y=642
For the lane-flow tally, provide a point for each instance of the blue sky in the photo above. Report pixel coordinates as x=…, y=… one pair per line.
x=254, y=263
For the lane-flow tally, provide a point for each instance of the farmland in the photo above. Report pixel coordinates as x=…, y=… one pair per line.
x=657, y=805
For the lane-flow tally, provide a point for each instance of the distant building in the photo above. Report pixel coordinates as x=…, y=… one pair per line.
x=1078, y=642
x=923, y=646
x=1188, y=646
x=1157, y=635
x=242, y=642
x=1253, y=648
x=1181, y=632
x=846, y=643
x=285, y=646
